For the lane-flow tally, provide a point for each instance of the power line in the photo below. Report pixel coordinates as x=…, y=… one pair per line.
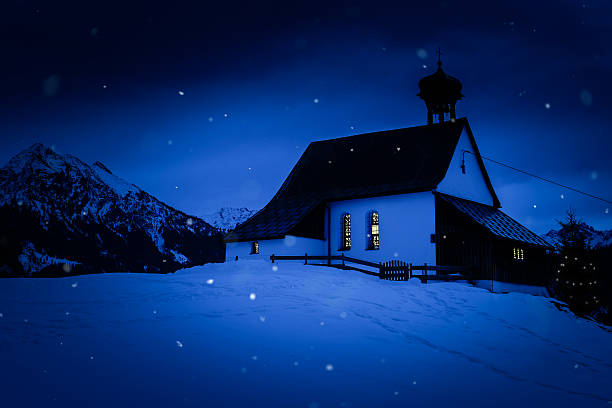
x=542, y=178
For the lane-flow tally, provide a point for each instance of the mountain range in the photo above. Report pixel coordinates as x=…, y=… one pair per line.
x=227, y=218
x=59, y=215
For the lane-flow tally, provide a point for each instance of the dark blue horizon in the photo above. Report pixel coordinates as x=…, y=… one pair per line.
x=205, y=105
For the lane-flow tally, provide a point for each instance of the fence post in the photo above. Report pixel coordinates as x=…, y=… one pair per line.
x=342, y=256
x=305, y=258
x=406, y=271
x=380, y=270
x=425, y=271
x=410, y=270
x=272, y=258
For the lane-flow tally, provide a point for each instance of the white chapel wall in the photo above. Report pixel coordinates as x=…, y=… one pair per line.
x=290, y=245
x=471, y=185
x=406, y=224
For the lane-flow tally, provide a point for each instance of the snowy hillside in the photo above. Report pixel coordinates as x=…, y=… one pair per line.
x=596, y=239
x=251, y=334
x=227, y=217
x=59, y=214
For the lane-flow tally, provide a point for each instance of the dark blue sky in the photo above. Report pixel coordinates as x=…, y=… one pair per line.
x=260, y=80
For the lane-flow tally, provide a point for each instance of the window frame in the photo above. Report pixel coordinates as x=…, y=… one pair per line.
x=518, y=254
x=345, y=232
x=373, y=238
x=254, y=247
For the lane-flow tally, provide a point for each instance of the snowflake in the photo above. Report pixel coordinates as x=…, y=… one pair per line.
x=329, y=367
x=210, y=281
x=274, y=268
x=1, y=315
x=225, y=115
x=316, y=100
x=422, y=53
x=210, y=119
x=262, y=318
x=74, y=285
x=535, y=206
x=181, y=93
x=170, y=142
x=179, y=344
x=562, y=196
x=252, y=296
x=91, y=357
x=104, y=86
x=547, y=105
x=343, y=315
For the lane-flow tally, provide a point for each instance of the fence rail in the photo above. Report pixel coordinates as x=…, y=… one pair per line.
x=395, y=270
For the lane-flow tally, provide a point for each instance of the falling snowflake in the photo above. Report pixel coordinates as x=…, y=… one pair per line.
x=547, y=105
x=329, y=367
x=316, y=100
x=179, y=344
x=322, y=323
x=91, y=357
x=252, y=296
x=594, y=175
x=534, y=206
x=343, y=315
x=414, y=383
x=562, y=196
x=170, y=142
x=243, y=370
x=181, y=93
x=1, y=315
x=210, y=281
x=576, y=366
x=424, y=66
x=74, y=285
x=104, y=86
x=254, y=358
x=295, y=364
x=396, y=393
x=155, y=312
x=262, y=318
x=274, y=268
x=210, y=119
x=606, y=210
x=422, y=53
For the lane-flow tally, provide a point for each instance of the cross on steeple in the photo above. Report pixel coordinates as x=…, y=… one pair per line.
x=439, y=57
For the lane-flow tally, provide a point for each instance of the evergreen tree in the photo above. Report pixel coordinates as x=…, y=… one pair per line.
x=575, y=274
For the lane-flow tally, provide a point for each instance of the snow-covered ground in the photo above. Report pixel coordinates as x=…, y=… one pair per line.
x=250, y=333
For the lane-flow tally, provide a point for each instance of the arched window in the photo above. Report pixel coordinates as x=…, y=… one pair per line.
x=374, y=231
x=346, y=232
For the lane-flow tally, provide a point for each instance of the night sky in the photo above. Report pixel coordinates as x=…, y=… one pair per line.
x=210, y=104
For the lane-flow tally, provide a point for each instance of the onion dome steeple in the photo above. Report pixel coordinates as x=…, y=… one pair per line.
x=440, y=93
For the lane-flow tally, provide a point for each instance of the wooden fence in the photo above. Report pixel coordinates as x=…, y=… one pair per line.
x=395, y=270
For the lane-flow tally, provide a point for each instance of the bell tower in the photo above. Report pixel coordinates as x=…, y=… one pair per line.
x=440, y=92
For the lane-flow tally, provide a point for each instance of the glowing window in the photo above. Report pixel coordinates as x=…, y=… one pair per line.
x=518, y=254
x=255, y=247
x=374, y=231
x=346, y=231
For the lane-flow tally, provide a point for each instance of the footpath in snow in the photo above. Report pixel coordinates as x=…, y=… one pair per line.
x=250, y=333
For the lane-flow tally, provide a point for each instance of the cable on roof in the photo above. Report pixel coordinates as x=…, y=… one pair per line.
x=541, y=178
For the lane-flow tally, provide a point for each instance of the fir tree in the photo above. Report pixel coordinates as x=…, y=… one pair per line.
x=575, y=274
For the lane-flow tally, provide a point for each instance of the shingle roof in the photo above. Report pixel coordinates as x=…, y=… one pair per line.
x=381, y=163
x=495, y=221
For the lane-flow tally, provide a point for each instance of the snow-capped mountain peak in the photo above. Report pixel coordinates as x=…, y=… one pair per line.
x=55, y=203
x=227, y=218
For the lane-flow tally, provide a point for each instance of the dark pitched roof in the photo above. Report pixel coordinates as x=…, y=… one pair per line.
x=371, y=164
x=500, y=224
